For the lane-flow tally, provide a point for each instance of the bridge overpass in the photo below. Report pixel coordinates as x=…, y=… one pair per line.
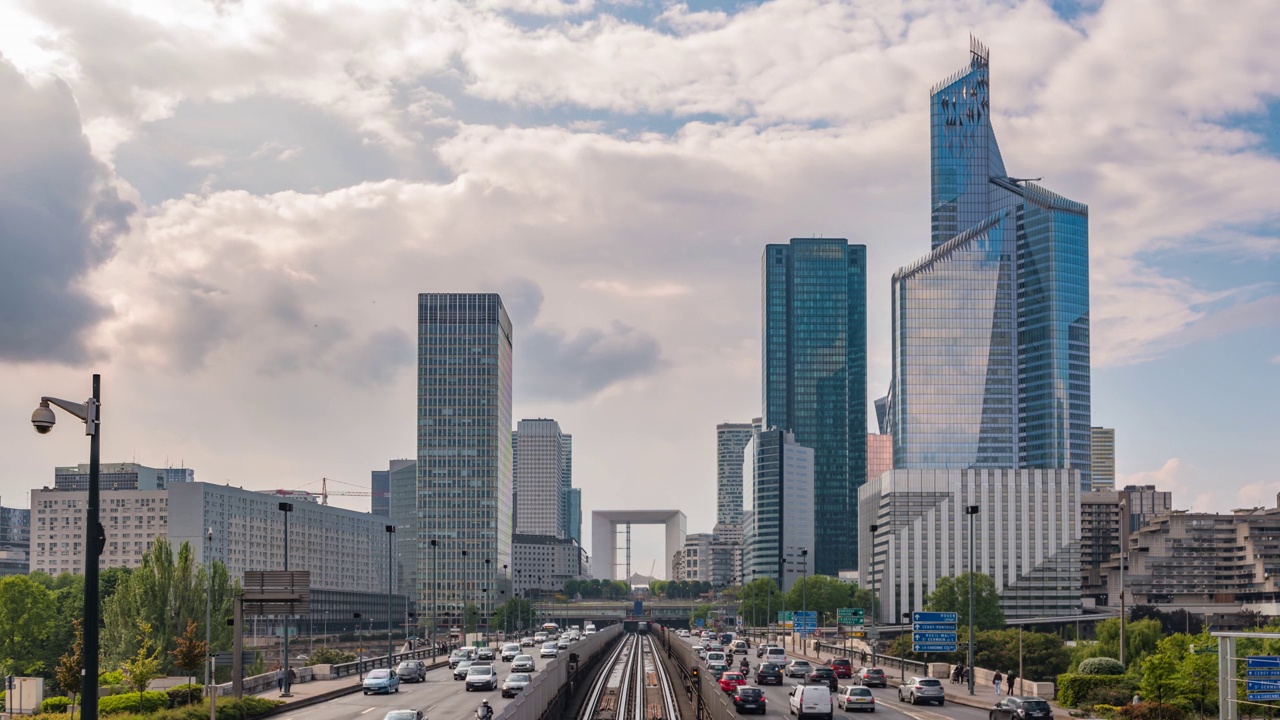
x=673, y=613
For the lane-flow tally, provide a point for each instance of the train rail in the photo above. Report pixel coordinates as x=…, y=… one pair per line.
x=634, y=685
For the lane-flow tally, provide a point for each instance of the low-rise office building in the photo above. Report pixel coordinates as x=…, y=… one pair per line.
x=544, y=563
x=1107, y=518
x=15, y=541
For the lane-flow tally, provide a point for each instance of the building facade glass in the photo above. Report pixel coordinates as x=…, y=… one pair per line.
x=731, y=438
x=782, y=509
x=464, y=452
x=1102, y=452
x=991, y=329
x=815, y=377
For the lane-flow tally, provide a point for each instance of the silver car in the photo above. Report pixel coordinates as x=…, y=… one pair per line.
x=798, y=668
x=514, y=683
x=922, y=689
x=523, y=664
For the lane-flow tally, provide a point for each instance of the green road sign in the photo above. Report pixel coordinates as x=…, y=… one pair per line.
x=851, y=611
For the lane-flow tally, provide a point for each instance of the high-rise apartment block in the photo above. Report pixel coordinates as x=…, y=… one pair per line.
x=541, y=498
x=15, y=541
x=117, y=476
x=1108, y=519
x=464, y=451
x=544, y=563
x=731, y=438
x=815, y=377
x=1103, y=450
x=990, y=330
x=780, y=473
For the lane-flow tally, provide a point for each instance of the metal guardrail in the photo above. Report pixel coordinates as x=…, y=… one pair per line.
x=556, y=682
x=709, y=703
x=362, y=666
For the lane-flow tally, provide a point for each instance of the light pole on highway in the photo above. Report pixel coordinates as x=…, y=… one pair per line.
x=285, y=509
x=804, y=596
x=359, y=646
x=391, y=536
x=465, y=584
x=208, y=622
x=875, y=597
x=972, y=512
x=435, y=628
x=90, y=412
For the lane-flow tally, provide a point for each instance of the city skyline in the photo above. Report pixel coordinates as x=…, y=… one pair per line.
x=243, y=280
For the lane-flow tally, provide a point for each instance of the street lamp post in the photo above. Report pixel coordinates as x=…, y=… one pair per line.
x=465, y=583
x=391, y=536
x=1124, y=537
x=484, y=602
x=90, y=412
x=875, y=596
x=208, y=622
x=286, y=508
x=435, y=628
x=972, y=512
x=359, y=646
x=804, y=596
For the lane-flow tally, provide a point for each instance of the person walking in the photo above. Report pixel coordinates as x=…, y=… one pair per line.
x=279, y=679
x=998, y=677
x=1008, y=682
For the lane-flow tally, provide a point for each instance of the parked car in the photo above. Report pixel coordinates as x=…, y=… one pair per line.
x=523, y=664
x=514, y=683
x=822, y=675
x=381, y=681
x=1021, y=708
x=855, y=697
x=871, y=677
x=730, y=681
x=510, y=651
x=549, y=649
x=798, y=668
x=922, y=689
x=460, y=670
x=811, y=701
x=842, y=667
x=458, y=656
x=412, y=671
x=748, y=699
x=481, y=677
x=485, y=653
x=404, y=715
x=769, y=674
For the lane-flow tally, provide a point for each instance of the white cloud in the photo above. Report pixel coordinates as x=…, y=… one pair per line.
x=616, y=287
x=1181, y=479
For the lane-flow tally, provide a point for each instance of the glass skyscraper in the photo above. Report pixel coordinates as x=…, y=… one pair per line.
x=464, y=452
x=991, y=329
x=815, y=378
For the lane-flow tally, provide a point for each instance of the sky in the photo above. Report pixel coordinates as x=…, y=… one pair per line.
x=228, y=207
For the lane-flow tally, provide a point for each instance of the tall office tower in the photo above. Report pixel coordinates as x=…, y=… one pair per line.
x=991, y=329
x=541, y=503
x=731, y=438
x=575, y=515
x=464, y=452
x=402, y=510
x=380, y=493
x=815, y=377
x=15, y=541
x=879, y=455
x=1102, y=445
x=780, y=473
x=566, y=487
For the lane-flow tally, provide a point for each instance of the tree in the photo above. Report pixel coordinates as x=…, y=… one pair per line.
x=1141, y=638
x=760, y=598
x=27, y=618
x=952, y=595
x=511, y=615
x=471, y=616
x=1159, y=678
x=190, y=653
x=1198, y=675
x=144, y=666
x=1044, y=655
x=71, y=665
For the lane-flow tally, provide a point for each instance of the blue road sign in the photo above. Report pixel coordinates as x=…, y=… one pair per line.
x=1262, y=686
x=934, y=627
x=933, y=647
x=1262, y=661
x=935, y=617
x=1263, y=672
x=1255, y=697
x=933, y=637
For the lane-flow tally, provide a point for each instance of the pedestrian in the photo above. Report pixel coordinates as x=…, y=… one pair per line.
x=998, y=677
x=1008, y=682
x=293, y=676
x=965, y=679
x=279, y=679
x=1136, y=699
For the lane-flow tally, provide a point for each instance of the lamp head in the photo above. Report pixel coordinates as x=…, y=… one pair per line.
x=43, y=418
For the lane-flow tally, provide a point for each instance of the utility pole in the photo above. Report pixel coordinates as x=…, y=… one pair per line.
x=972, y=512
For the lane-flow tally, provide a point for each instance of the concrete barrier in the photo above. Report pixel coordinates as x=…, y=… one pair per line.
x=557, y=679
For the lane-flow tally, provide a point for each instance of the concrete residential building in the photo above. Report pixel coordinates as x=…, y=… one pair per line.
x=113, y=476
x=1103, y=449
x=814, y=356
x=1107, y=521
x=782, y=507
x=697, y=557
x=464, y=451
x=726, y=555
x=1027, y=536
x=15, y=541
x=540, y=496
x=879, y=455
x=544, y=563
x=731, y=438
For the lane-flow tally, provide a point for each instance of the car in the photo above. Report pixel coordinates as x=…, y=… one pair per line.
x=539, y=638
x=918, y=690
x=481, y=677
x=700, y=651
x=748, y=699
x=563, y=644
x=460, y=670
x=776, y=654
x=412, y=670
x=514, y=683
x=485, y=653
x=682, y=633
x=510, y=651
x=761, y=648
x=404, y=715
x=527, y=642
x=739, y=647
x=714, y=656
x=855, y=697
x=798, y=668
x=871, y=677
x=729, y=681
x=769, y=674
x=717, y=669
x=380, y=680
x=842, y=667
x=523, y=664
x=1021, y=708
x=549, y=649
x=811, y=701
x=458, y=656
x=822, y=675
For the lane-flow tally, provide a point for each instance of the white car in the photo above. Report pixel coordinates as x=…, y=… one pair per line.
x=510, y=651
x=811, y=701
x=715, y=656
x=549, y=649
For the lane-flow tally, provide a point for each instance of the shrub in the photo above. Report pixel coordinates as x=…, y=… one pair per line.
x=55, y=704
x=1101, y=666
x=147, y=702
x=180, y=695
x=1107, y=712
x=1095, y=696
x=1152, y=711
x=1074, y=688
x=115, y=677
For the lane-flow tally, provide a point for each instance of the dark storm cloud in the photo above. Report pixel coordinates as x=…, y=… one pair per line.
x=552, y=365
x=59, y=219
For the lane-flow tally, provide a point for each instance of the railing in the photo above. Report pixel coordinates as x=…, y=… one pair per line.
x=703, y=692
x=553, y=685
x=260, y=683
x=362, y=666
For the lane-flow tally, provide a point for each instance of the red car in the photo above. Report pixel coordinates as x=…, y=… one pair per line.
x=841, y=666
x=731, y=680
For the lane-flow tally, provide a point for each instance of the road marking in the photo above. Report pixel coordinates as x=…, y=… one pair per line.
x=362, y=712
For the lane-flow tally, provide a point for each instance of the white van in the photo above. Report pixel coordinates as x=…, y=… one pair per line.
x=775, y=654
x=811, y=701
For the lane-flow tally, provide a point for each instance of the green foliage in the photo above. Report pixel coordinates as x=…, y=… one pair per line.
x=144, y=666
x=760, y=601
x=826, y=595
x=1198, y=683
x=1101, y=666
x=111, y=677
x=55, y=704
x=189, y=694
x=190, y=652
x=228, y=709
x=1107, y=712
x=1152, y=711
x=324, y=655
x=1074, y=689
x=470, y=618
x=145, y=702
x=514, y=614
x=1159, y=678
x=679, y=589
x=1141, y=638
x=28, y=619
x=1178, y=621
x=1109, y=695
x=595, y=588
x=952, y=595
x=67, y=676
x=1044, y=655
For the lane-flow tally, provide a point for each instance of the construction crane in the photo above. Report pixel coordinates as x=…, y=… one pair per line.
x=325, y=492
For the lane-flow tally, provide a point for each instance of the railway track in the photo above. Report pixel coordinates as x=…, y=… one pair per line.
x=634, y=685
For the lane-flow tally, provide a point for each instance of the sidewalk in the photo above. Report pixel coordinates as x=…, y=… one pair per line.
x=309, y=691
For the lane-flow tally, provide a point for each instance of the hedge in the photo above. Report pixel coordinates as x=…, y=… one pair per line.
x=228, y=709
x=147, y=702
x=1074, y=688
x=55, y=704
x=1152, y=711
x=1101, y=666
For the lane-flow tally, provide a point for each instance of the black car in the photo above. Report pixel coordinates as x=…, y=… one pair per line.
x=769, y=673
x=822, y=675
x=1021, y=708
x=748, y=699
